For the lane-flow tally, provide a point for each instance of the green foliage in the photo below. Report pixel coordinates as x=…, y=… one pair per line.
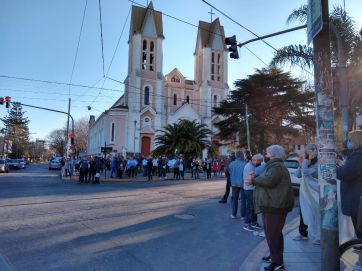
x=188, y=138
x=277, y=106
x=18, y=130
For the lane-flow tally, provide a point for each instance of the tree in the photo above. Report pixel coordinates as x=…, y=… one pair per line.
x=17, y=131
x=57, y=141
x=277, y=106
x=350, y=50
x=58, y=136
x=81, y=135
x=188, y=138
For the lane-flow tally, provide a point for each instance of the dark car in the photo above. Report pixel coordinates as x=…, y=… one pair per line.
x=13, y=163
x=4, y=167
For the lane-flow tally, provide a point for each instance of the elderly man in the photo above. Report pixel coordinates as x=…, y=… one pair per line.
x=273, y=198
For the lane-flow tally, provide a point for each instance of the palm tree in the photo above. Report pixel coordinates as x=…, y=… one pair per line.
x=188, y=138
x=346, y=51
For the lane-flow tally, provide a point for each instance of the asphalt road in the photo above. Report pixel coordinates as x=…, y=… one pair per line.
x=49, y=224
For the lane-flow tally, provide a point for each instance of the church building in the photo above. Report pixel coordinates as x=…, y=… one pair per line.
x=153, y=100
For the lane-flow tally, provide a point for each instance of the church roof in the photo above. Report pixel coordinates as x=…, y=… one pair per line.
x=207, y=32
x=139, y=15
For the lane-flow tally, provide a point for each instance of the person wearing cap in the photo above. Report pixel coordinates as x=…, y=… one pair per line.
x=273, y=198
x=236, y=169
x=350, y=174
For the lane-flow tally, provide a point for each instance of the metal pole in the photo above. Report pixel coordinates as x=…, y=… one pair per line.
x=134, y=142
x=67, y=134
x=105, y=160
x=326, y=147
x=247, y=126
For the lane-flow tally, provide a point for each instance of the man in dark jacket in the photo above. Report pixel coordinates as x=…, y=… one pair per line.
x=350, y=175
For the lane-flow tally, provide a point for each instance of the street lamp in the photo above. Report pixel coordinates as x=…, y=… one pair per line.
x=134, y=138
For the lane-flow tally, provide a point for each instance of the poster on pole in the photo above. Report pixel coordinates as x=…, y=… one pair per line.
x=315, y=20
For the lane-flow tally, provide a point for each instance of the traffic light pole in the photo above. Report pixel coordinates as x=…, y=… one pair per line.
x=53, y=110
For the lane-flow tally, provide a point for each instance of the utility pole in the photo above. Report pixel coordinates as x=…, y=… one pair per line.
x=67, y=135
x=325, y=140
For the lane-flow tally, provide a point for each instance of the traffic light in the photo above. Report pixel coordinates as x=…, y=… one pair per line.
x=1, y=100
x=7, y=101
x=233, y=48
x=71, y=139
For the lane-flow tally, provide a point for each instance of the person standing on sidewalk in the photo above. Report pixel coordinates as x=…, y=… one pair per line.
x=236, y=170
x=273, y=198
x=224, y=199
x=251, y=223
x=350, y=175
x=309, y=196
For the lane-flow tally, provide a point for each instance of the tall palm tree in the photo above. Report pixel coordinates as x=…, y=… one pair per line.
x=188, y=138
x=346, y=53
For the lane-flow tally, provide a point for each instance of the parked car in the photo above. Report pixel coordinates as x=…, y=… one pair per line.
x=4, y=167
x=292, y=166
x=55, y=163
x=13, y=163
x=21, y=163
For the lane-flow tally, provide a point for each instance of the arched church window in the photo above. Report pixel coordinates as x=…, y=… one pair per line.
x=148, y=55
x=215, y=100
x=112, y=132
x=147, y=96
x=144, y=48
x=152, y=46
x=174, y=99
x=188, y=99
x=216, y=62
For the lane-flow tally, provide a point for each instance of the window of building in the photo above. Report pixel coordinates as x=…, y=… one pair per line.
x=298, y=147
x=215, y=100
x=112, y=132
x=216, y=61
x=147, y=122
x=148, y=55
x=174, y=99
x=147, y=96
x=188, y=99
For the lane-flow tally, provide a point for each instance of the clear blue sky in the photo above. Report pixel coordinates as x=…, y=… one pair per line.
x=39, y=40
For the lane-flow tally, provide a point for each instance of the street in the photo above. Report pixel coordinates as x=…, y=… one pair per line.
x=50, y=224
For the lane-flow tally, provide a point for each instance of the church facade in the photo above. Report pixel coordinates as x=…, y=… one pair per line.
x=151, y=99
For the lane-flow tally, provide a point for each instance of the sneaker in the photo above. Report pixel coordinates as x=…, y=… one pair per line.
x=274, y=267
x=266, y=259
x=248, y=228
x=256, y=226
x=300, y=238
x=233, y=216
x=316, y=242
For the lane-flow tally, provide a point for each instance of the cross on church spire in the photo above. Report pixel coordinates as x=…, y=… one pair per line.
x=211, y=13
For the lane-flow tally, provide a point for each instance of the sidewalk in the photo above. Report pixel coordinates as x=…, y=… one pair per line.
x=298, y=255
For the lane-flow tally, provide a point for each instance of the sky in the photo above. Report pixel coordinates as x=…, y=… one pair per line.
x=45, y=40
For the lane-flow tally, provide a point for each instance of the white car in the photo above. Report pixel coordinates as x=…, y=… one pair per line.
x=292, y=166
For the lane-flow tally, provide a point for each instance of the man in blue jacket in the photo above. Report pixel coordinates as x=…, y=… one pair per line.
x=236, y=169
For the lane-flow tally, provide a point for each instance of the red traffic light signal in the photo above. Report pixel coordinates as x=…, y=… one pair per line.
x=72, y=136
x=7, y=101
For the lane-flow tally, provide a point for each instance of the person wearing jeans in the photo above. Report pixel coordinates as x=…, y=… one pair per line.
x=236, y=169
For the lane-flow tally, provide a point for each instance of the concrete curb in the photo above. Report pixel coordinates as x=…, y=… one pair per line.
x=253, y=261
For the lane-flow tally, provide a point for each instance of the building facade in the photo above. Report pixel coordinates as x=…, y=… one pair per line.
x=151, y=99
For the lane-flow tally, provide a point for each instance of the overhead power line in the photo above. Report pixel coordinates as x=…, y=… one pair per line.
x=100, y=25
x=76, y=52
